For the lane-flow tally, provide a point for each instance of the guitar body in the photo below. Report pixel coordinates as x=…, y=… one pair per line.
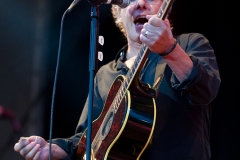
x=122, y=131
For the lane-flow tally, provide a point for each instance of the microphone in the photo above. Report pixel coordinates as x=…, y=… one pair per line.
x=120, y=3
x=73, y=4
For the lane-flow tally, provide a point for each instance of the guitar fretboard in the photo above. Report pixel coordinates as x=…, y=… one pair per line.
x=162, y=13
x=143, y=52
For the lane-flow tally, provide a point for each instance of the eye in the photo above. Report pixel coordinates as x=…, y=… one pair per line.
x=153, y=1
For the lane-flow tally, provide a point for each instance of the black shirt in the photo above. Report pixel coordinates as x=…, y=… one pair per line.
x=182, y=127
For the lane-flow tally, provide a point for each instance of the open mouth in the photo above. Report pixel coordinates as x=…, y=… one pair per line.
x=140, y=20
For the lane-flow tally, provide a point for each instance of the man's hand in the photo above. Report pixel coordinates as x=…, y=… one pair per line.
x=32, y=148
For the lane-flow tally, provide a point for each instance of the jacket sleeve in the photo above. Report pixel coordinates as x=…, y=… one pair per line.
x=70, y=145
x=202, y=85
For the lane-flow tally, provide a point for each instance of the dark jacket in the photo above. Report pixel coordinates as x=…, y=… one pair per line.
x=182, y=127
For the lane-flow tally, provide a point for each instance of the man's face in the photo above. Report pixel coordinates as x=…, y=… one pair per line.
x=134, y=16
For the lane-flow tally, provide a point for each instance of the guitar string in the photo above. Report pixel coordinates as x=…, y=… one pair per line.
x=128, y=79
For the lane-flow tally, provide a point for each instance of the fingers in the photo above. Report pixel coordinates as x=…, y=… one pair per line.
x=33, y=153
x=34, y=139
x=155, y=31
x=149, y=33
x=29, y=148
x=23, y=141
x=36, y=157
x=157, y=22
x=148, y=37
x=38, y=140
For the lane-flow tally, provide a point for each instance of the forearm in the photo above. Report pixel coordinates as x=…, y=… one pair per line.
x=180, y=63
x=195, y=69
x=202, y=85
x=58, y=152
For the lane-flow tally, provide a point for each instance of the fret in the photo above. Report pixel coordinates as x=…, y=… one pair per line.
x=131, y=74
x=161, y=11
x=119, y=97
x=164, y=7
x=125, y=86
x=114, y=106
x=135, y=65
x=138, y=61
x=122, y=91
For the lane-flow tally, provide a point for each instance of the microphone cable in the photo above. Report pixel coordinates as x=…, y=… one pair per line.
x=54, y=87
x=73, y=4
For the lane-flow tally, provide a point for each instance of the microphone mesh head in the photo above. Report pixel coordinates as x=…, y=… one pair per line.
x=124, y=4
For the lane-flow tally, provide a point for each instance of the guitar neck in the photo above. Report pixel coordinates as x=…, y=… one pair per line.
x=141, y=58
x=164, y=9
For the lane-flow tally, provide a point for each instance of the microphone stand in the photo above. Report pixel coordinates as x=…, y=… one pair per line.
x=94, y=33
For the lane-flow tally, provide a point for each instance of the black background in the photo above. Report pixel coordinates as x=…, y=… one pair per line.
x=215, y=19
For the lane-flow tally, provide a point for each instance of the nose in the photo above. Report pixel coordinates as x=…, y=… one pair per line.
x=141, y=3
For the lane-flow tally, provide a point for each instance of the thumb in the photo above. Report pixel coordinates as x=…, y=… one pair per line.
x=32, y=138
x=39, y=140
x=149, y=16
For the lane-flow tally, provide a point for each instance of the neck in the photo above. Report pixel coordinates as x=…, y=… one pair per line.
x=133, y=49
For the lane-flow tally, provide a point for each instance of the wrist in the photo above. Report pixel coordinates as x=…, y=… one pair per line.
x=58, y=152
x=170, y=50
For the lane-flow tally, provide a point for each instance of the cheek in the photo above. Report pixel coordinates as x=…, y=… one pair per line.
x=126, y=18
x=156, y=8
x=130, y=10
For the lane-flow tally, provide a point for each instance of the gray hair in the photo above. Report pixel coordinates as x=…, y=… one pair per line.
x=116, y=13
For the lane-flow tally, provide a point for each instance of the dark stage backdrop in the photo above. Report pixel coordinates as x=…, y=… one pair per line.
x=29, y=39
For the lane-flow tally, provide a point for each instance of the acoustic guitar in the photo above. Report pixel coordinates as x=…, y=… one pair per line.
x=124, y=129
